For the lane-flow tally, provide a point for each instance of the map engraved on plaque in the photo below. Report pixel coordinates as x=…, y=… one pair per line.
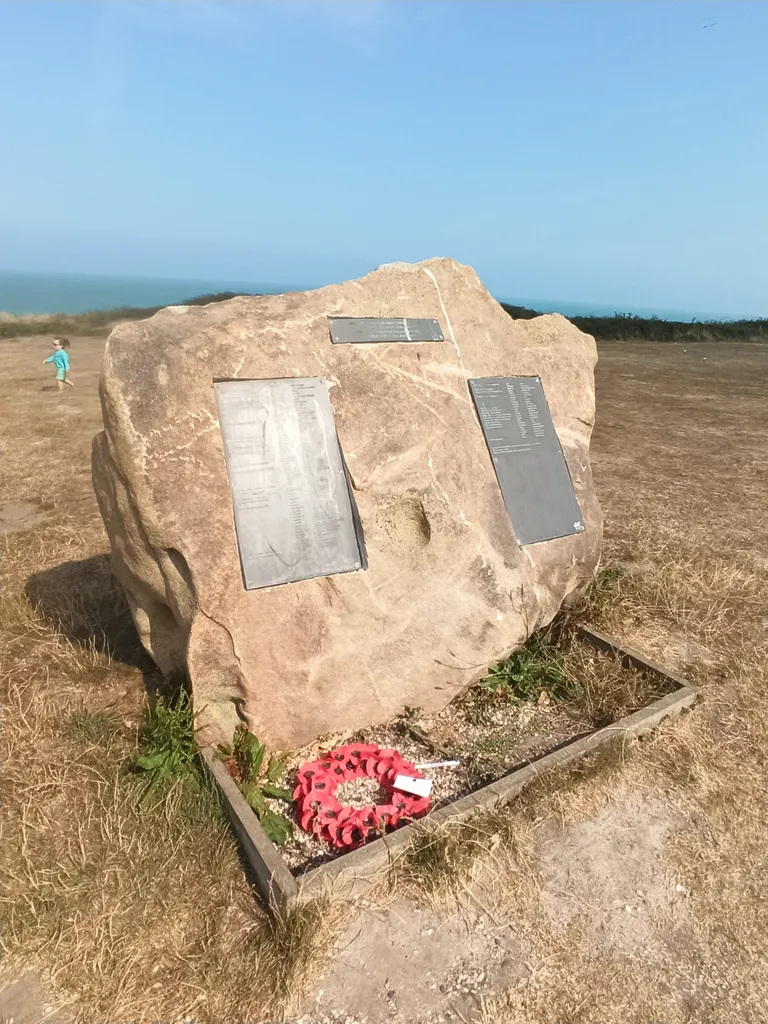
x=366, y=330
x=294, y=512
x=530, y=466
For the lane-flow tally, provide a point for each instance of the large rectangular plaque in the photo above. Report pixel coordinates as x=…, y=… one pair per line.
x=366, y=330
x=294, y=513
x=529, y=462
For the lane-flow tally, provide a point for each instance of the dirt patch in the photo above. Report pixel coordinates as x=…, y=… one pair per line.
x=20, y=515
x=26, y=1001
x=404, y=965
x=610, y=871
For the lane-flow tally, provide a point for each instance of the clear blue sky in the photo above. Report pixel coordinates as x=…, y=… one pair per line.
x=604, y=152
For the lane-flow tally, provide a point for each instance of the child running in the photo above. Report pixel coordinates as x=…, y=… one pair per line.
x=60, y=359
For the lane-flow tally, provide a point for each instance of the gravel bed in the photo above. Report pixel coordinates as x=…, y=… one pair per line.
x=511, y=733
x=359, y=793
x=489, y=735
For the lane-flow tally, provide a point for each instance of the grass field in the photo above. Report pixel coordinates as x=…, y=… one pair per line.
x=630, y=893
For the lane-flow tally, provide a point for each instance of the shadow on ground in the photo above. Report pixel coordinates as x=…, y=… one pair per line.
x=84, y=602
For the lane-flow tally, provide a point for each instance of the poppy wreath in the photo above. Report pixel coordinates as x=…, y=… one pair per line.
x=320, y=812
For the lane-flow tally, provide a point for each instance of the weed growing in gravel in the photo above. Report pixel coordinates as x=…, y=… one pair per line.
x=245, y=759
x=536, y=669
x=555, y=665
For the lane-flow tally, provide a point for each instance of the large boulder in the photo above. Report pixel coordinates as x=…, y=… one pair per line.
x=447, y=592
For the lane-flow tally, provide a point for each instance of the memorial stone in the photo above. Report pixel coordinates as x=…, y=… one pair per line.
x=455, y=580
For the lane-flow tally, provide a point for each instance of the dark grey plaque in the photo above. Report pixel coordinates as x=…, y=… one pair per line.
x=294, y=514
x=529, y=462
x=366, y=330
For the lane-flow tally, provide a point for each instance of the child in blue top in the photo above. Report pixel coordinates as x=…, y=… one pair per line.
x=60, y=359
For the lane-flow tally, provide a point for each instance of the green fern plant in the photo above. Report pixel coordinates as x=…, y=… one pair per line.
x=259, y=778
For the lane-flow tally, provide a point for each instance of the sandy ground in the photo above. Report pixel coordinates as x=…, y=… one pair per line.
x=634, y=894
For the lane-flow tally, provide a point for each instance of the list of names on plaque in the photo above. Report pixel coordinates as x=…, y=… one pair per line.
x=366, y=330
x=529, y=462
x=293, y=508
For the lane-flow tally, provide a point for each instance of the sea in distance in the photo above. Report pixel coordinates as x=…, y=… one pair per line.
x=24, y=294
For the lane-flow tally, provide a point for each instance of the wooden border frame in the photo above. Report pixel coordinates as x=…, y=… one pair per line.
x=352, y=873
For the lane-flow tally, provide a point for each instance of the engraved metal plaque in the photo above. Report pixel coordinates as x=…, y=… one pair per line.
x=366, y=330
x=529, y=462
x=294, y=512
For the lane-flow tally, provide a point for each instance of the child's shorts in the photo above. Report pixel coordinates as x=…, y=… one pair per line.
x=61, y=375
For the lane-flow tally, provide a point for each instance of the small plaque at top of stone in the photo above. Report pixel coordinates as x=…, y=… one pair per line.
x=366, y=330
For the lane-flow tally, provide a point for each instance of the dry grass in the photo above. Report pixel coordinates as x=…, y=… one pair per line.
x=143, y=913
x=439, y=860
x=603, y=690
x=128, y=905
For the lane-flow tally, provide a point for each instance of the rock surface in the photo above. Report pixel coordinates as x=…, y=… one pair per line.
x=447, y=591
